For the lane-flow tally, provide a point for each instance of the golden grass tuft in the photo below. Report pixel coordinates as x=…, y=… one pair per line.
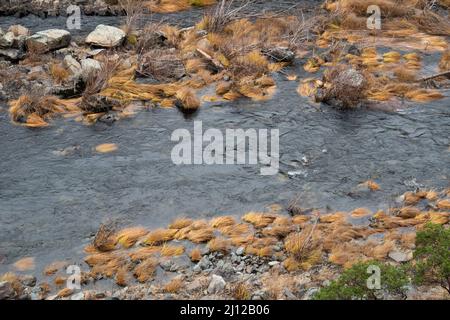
x=122, y=277
x=146, y=270
x=240, y=291
x=160, y=236
x=443, y=204
x=200, y=235
x=58, y=73
x=24, y=264
x=279, y=231
x=195, y=254
x=220, y=222
x=54, y=267
x=174, y=285
x=187, y=100
x=259, y=219
x=219, y=245
x=444, y=63
x=171, y=250
x=235, y=230
x=180, y=223
x=129, y=236
x=64, y=293
x=360, y=212
x=408, y=212
x=144, y=253
x=431, y=195
x=106, y=147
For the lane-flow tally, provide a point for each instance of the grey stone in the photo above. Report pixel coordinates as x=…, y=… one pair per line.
x=48, y=40
x=400, y=256
x=77, y=296
x=310, y=293
x=7, y=40
x=106, y=36
x=11, y=54
x=216, y=285
x=288, y=294
x=19, y=30
x=280, y=54
x=72, y=64
x=88, y=67
x=240, y=251
x=273, y=263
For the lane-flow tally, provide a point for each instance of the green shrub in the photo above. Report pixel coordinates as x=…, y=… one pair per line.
x=432, y=256
x=352, y=284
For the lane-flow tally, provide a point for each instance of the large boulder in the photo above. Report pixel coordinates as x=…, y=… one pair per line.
x=106, y=36
x=48, y=40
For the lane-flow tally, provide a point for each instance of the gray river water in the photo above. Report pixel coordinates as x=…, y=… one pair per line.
x=51, y=204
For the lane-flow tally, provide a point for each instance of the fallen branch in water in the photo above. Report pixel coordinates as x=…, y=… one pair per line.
x=442, y=74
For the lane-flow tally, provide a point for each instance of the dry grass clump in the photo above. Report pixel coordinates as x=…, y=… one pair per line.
x=259, y=219
x=122, y=277
x=144, y=253
x=54, y=267
x=174, y=285
x=187, y=100
x=59, y=73
x=160, y=236
x=129, y=236
x=105, y=239
x=408, y=212
x=240, y=291
x=278, y=231
x=196, y=254
x=162, y=65
x=171, y=250
x=219, y=245
x=145, y=270
x=443, y=204
x=35, y=110
x=360, y=212
x=24, y=264
x=224, y=221
x=180, y=223
x=235, y=230
x=444, y=63
x=200, y=235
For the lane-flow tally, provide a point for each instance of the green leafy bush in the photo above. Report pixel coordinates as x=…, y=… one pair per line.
x=352, y=284
x=432, y=256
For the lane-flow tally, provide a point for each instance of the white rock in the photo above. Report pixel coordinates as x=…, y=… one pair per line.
x=88, y=66
x=240, y=251
x=77, y=296
x=216, y=285
x=274, y=263
x=72, y=64
x=106, y=36
x=48, y=40
x=400, y=256
x=6, y=40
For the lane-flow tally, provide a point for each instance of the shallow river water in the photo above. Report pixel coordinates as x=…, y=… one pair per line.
x=51, y=204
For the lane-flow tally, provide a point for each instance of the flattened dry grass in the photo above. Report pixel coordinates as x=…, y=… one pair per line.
x=223, y=221
x=129, y=236
x=174, y=285
x=259, y=219
x=171, y=250
x=160, y=236
x=219, y=245
x=145, y=270
x=180, y=223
